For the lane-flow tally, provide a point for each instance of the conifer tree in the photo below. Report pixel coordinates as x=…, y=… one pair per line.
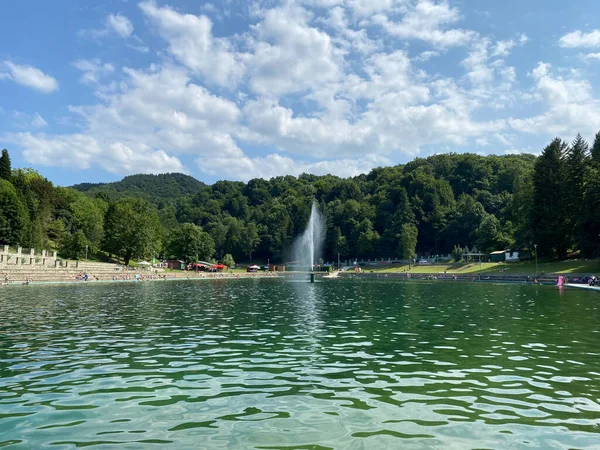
x=5, y=169
x=596, y=149
x=576, y=165
x=547, y=214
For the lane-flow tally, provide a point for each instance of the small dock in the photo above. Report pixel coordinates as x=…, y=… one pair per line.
x=584, y=286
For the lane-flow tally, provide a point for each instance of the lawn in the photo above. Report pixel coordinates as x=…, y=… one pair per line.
x=512, y=268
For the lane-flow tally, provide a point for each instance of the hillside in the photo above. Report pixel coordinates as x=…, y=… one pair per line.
x=154, y=188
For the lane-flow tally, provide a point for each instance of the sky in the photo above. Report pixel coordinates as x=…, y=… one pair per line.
x=232, y=89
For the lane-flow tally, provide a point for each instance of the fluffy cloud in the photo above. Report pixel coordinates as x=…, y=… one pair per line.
x=571, y=107
x=289, y=55
x=246, y=168
x=119, y=24
x=427, y=21
x=114, y=24
x=82, y=151
x=192, y=43
x=29, y=76
x=93, y=70
x=579, y=39
x=319, y=86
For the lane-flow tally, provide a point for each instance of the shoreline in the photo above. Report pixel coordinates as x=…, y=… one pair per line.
x=176, y=277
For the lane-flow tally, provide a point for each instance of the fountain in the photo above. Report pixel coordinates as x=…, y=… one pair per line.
x=308, y=245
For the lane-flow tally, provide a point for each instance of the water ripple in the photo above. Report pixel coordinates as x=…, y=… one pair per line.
x=276, y=364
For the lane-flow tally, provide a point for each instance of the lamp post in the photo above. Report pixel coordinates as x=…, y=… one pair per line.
x=536, y=265
x=268, y=265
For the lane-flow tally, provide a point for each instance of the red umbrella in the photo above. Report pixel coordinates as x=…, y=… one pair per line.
x=217, y=266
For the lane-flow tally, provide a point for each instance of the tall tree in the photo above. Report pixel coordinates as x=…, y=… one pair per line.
x=590, y=217
x=5, y=168
x=576, y=165
x=547, y=214
x=408, y=242
x=14, y=219
x=132, y=229
x=250, y=239
x=490, y=235
x=596, y=149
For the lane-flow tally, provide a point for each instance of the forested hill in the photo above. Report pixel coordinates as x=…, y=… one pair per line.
x=430, y=205
x=153, y=188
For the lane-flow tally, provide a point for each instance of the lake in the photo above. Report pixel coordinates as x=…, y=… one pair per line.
x=272, y=363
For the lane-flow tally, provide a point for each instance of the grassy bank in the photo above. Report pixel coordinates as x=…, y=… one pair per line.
x=511, y=268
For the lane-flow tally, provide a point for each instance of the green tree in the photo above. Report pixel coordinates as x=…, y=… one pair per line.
x=596, y=149
x=465, y=218
x=191, y=244
x=132, y=229
x=5, y=168
x=228, y=261
x=14, y=219
x=590, y=216
x=576, y=165
x=76, y=245
x=490, y=236
x=367, y=239
x=57, y=233
x=518, y=211
x=250, y=239
x=408, y=242
x=89, y=218
x=548, y=222
x=457, y=253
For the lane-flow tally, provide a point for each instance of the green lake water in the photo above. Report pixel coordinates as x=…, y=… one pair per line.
x=271, y=363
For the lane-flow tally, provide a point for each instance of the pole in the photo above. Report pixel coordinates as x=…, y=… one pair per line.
x=338, y=261
x=86, y=250
x=536, y=265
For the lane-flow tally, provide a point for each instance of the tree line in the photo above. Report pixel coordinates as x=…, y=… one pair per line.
x=432, y=205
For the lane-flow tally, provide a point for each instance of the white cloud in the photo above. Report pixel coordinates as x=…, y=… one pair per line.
x=503, y=48
x=29, y=76
x=139, y=127
x=426, y=56
x=245, y=168
x=93, y=70
x=313, y=86
x=367, y=8
x=119, y=24
x=346, y=36
x=80, y=151
x=571, y=106
x=289, y=55
x=192, y=43
x=427, y=21
x=25, y=120
x=579, y=39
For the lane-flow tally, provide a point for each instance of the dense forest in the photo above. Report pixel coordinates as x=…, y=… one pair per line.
x=435, y=205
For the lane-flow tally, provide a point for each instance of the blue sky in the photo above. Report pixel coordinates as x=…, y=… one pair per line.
x=244, y=89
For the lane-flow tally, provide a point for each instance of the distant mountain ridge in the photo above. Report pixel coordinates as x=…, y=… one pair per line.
x=154, y=188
